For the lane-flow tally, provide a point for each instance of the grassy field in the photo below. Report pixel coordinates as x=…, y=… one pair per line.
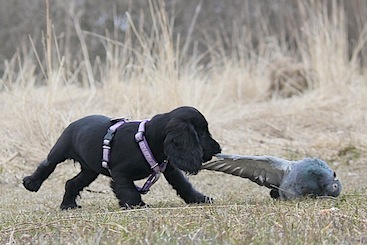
x=249, y=112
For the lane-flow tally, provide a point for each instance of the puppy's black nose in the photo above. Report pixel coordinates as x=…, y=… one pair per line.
x=218, y=149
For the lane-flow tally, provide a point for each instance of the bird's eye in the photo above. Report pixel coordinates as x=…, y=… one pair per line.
x=335, y=186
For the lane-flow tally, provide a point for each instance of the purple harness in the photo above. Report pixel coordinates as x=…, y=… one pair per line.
x=145, y=150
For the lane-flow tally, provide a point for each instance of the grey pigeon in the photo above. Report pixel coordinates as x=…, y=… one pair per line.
x=286, y=179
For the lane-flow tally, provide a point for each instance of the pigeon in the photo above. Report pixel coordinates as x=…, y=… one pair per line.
x=288, y=180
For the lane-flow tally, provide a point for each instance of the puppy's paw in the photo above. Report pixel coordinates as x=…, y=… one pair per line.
x=66, y=206
x=31, y=184
x=197, y=197
x=205, y=199
x=208, y=199
x=127, y=206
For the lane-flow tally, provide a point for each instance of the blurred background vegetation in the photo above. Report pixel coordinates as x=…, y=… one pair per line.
x=273, y=77
x=200, y=21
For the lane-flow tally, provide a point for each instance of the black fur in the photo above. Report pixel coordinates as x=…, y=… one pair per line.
x=180, y=136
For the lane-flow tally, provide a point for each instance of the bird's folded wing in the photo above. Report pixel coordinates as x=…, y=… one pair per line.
x=264, y=170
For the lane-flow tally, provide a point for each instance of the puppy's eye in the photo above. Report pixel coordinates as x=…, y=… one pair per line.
x=200, y=134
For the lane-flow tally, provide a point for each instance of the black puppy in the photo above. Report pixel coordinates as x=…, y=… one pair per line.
x=180, y=137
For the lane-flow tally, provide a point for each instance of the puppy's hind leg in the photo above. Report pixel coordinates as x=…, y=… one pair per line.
x=74, y=186
x=34, y=181
x=57, y=155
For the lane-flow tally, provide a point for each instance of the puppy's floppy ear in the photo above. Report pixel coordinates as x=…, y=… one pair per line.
x=182, y=147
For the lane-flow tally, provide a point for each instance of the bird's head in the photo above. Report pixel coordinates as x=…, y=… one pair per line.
x=325, y=178
x=315, y=178
x=332, y=186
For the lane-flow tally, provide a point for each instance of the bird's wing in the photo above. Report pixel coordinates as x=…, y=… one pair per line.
x=264, y=170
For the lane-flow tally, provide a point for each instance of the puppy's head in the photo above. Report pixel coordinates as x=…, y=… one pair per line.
x=188, y=142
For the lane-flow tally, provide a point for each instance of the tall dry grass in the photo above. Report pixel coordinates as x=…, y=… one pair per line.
x=159, y=72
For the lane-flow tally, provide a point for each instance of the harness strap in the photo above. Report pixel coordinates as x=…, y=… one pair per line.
x=144, y=147
x=107, y=142
x=148, y=155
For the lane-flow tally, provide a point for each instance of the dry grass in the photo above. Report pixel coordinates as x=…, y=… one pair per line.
x=326, y=120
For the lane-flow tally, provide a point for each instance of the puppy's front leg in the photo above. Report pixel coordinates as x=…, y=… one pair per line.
x=183, y=187
x=126, y=193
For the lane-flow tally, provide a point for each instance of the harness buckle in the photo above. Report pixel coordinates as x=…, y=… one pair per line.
x=109, y=135
x=139, y=136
